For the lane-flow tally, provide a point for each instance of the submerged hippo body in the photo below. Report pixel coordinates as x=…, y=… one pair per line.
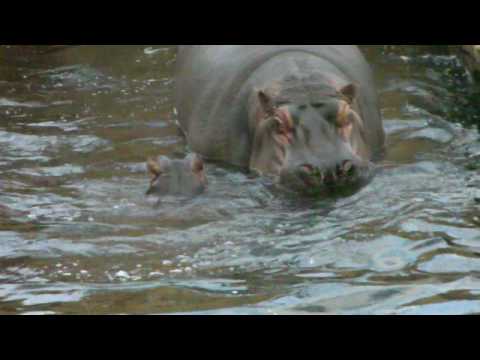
x=305, y=113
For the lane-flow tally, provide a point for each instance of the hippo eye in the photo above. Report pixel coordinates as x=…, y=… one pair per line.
x=318, y=105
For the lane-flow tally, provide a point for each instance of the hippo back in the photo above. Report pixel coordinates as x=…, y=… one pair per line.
x=211, y=96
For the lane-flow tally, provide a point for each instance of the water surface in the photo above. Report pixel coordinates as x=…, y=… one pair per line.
x=78, y=235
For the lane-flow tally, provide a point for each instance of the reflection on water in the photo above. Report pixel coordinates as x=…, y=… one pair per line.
x=78, y=235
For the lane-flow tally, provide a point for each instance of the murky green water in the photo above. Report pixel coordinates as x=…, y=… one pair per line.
x=78, y=236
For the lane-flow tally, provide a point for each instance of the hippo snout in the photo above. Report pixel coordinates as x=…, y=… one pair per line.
x=314, y=174
x=308, y=178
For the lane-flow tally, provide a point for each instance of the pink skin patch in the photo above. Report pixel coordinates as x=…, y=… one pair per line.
x=285, y=127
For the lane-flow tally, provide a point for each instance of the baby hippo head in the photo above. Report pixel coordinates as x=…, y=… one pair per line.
x=177, y=177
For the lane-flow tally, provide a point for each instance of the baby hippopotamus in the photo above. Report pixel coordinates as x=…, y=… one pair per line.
x=177, y=177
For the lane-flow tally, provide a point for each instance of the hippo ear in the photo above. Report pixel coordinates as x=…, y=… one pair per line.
x=157, y=167
x=196, y=163
x=266, y=103
x=349, y=92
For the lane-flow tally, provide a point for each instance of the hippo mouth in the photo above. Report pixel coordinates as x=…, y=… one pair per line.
x=343, y=179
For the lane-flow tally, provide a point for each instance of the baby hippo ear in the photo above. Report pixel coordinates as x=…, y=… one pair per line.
x=157, y=167
x=350, y=92
x=196, y=163
x=266, y=103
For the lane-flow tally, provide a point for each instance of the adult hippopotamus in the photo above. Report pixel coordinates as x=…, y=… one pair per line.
x=306, y=114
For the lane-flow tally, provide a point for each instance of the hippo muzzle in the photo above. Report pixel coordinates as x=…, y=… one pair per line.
x=327, y=178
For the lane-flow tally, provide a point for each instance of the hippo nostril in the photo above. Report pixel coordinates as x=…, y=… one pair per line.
x=305, y=173
x=347, y=165
x=307, y=169
x=321, y=176
x=347, y=168
x=330, y=178
x=340, y=171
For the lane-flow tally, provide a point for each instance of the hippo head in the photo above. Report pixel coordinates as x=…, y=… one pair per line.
x=313, y=146
x=177, y=177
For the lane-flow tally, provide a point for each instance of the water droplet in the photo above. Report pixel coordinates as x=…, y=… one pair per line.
x=150, y=51
x=156, y=274
x=122, y=275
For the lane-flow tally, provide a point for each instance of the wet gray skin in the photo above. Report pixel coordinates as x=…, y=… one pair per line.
x=305, y=115
x=177, y=177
